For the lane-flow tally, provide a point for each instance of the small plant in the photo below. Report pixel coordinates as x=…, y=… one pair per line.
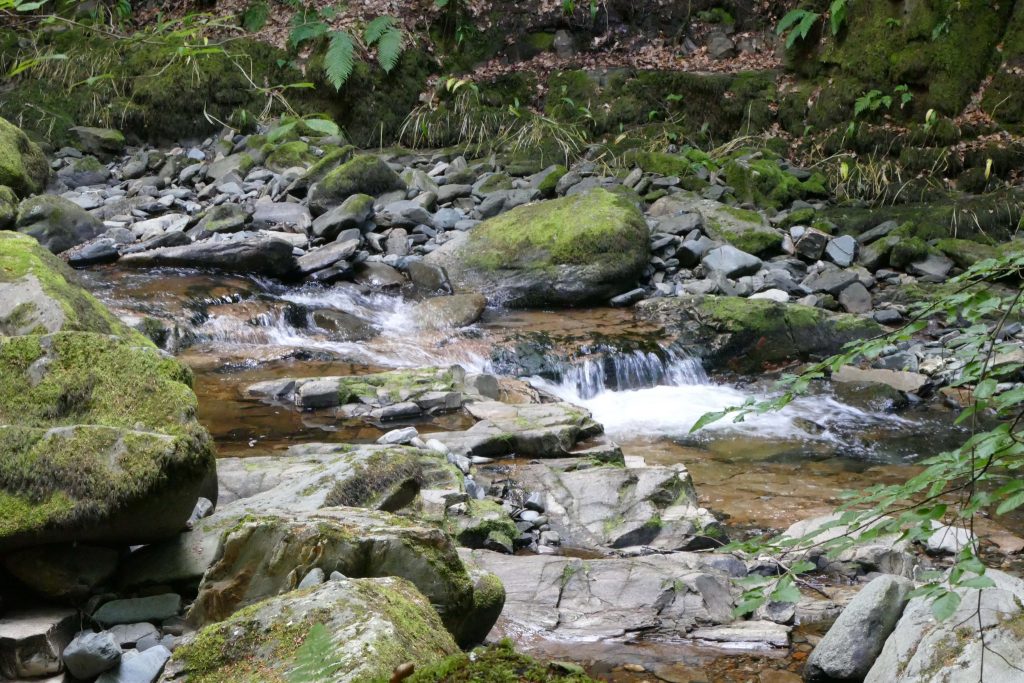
x=255, y=16
x=315, y=660
x=893, y=22
x=797, y=23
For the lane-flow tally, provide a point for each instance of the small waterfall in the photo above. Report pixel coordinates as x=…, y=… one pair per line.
x=632, y=370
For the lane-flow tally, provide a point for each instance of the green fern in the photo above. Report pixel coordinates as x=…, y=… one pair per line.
x=315, y=660
x=389, y=39
x=305, y=27
x=340, y=59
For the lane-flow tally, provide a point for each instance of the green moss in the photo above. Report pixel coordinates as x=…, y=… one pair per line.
x=575, y=230
x=23, y=257
x=289, y=154
x=908, y=250
x=23, y=167
x=494, y=183
x=331, y=159
x=495, y=664
x=483, y=519
x=965, y=253
x=548, y=184
x=363, y=174
x=388, y=478
x=764, y=183
x=8, y=208
x=92, y=423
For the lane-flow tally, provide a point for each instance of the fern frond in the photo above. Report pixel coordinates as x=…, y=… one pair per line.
x=315, y=660
x=255, y=16
x=377, y=28
x=340, y=59
x=390, y=46
x=304, y=28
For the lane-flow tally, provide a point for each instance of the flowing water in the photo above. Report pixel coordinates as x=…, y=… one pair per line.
x=765, y=472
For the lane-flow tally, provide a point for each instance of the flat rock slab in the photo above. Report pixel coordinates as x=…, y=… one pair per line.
x=746, y=633
x=139, y=667
x=154, y=608
x=31, y=642
x=897, y=379
x=652, y=596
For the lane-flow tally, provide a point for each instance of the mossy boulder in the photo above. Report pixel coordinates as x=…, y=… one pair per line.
x=39, y=295
x=23, y=166
x=746, y=335
x=289, y=154
x=103, y=142
x=57, y=223
x=761, y=181
x=498, y=662
x=482, y=518
x=342, y=630
x=8, y=208
x=562, y=252
x=965, y=253
x=742, y=228
x=100, y=441
x=266, y=550
x=364, y=174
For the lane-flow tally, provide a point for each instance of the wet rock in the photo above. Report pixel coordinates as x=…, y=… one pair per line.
x=856, y=638
x=370, y=626
x=809, y=243
x=428, y=278
x=445, y=312
x=378, y=276
x=31, y=642
x=23, y=166
x=910, y=382
x=745, y=633
x=746, y=333
x=343, y=326
x=138, y=667
x=100, y=250
x=244, y=252
x=56, y=223
x=326, y=256
x=287, y=216
x=90, y=654
x=600, y=250
x=350, y=214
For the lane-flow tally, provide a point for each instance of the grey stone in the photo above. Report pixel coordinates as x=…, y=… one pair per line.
x=326, y=256
x=405, y=214
x=318, y=393
x=842, y=250
x=397, y=436
x=314, y=578
x=56, y=223
x=270, y=215
x=730, y=262
x=90, y=654
x=831, y=280
x=127, y=635
x=948, y=540
x=132, y=610
x=354, y=212
x=935, y=268
x=855, y=298
x=809, y=243
x=856, y=639
x=31, y=642
x=877, y=232
x=244, y=252
x=745, y=632
x=143, y=667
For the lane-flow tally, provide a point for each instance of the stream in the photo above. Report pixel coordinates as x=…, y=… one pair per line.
x=764, y=473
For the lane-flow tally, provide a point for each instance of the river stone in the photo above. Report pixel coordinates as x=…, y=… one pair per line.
x=363, y=174
x=223, y=218
x=352, y=213
x=23, y=166
x=63, y=572
x=138, y=667
x=372, y=625
x=730, y=262
x=842, y=250
x=811, y=243
x=746, y=633
x=38, y=293
x=745, y=334
x=922, y=649
x=270, y=215
x=240, y=164
x=445, y=312
x=560, y=252
x=127, y=635
x=855, y=640
x=343, y=326
x=910, y=382
x=404, y=214
x=101, y=141
x=99, y=250
x=82, y=172
x=153, y=608
x=57, y=223
x=126, y=411
x=855, y=298
x=90, y=654
x=429, y=279
x=31, y=642
x=887, y=554
x=831, y=280
x=326, y=256
x=378, y=275
x=244, y=252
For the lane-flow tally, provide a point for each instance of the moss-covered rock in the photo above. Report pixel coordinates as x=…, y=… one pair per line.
x=103, y=142
x=965, y=253
x=289, y=154
x=39, y=294
x=747, y=334
x=762, y=182
x=8, y=208
x=562, y=252
x=498, y=664
x=364, y=174
x=23, y=166
x=58, y=224
x=342, y=630
x=100, y=441
x=482, y=518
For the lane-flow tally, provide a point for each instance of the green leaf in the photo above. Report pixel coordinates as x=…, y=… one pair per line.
x=340, y=59
x=837, y=13
x=977, y=582
x=786, y=593
x=708, y=418
x=377, y=28
x=280, y=131
x=1011, y=503
x=255, y=16
x=304, y=29
x=748, y=605
x=389, y=49
x=945, y=606
x=323, y=126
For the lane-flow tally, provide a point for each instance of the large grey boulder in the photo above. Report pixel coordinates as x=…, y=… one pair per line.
x=351, y=213
x=855, y=640
x=562, y=252
x=100, y=141
x=730, y=262
x=90, y=654
x=244, y=252
x=138, y=667
x=923, y=649
x=57, y=223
